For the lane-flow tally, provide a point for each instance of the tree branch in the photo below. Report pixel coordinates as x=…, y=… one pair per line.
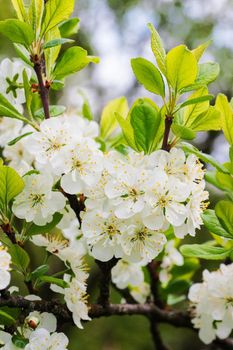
x=158, y=342
x=8, y=230
x=168, y=123
x=105, y=280
x=44, y=88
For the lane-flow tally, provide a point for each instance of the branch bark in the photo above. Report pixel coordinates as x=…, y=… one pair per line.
x=105, y=280
x=168, y=124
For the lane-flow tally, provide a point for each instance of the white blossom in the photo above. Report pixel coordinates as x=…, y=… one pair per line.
x=37, y=202
x=5, y=261
x=172, y=257
x=75, y=298
x=41, y=339
x=9, y=129
x=36, y=320
x=125, y=274
x=212, y=305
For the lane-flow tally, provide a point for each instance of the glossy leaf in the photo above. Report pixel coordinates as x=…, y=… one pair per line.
x=148, y=75
x=57, y=42
x=213, y=224
x=199, y=51
x=19, y=257
x=226, y=113
x=54, y=111
x=69, y=27
x=224, y=212
x=204, y=251
x=158, y=49
x=17, y=31
x=181, y=67
x=17, y=139
x=207, y=73
x=36, y=11
x=19, y=9
x=11, y=184
x=36, y=230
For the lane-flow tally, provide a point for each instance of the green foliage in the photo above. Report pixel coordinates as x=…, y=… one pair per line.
x=213, y=224
x=11, y=184
x=226, y=113
x=5, y=318
x=108, y=121
x=56, y=11
x=181, y=67
x=69, y=27
x=57, y=42
x=14, y=141
x=36, y=11
x=19, y=9
x=205, y=251
x=224, y=212
x=207, y=73
x=19, y=257
x=7, y=110
x=52, y=280
x=158, y=49
x=54, y=111
x=198, y=52
x=148, y=75
x=17, y=31
x=38, y=272
x=73, y=60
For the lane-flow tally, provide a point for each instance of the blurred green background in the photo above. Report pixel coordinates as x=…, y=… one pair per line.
x=116, y=30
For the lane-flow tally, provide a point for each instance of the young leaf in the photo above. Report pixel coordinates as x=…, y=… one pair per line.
x=17, y=31
x=198, y=52
x=59, y=282
x=57, y=42
x=28, y=92
x=6, y=319
x=7, y=110
x=86, y=110
x=23, y=53
x=54, y=111
x=196, y=100
x=36, y=230
x=19, y=257
x=127, y=131
x=73, y=60
x=148, y=75
x=108, y=121
x=205, y=251
x=207, y=73
x=11, y=184
x=52, y=53
x=158, y=49
x=14, y=141
x=56, y=11
x=36, y=11
x=226, y=113
x=224, y=212
x=69, y=27
x=208, y=120
x=226, y=180
x=181, y=67
x=204, y=157
x=145, y=121
x=213, y=224
x=39, y=271
x=19, y=9
x=183, y=132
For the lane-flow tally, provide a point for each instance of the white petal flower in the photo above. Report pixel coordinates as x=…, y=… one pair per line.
x=172, y=257
x=75, y=298
x=42, y=340
x=9, y=129
x=102, y=233
x=37, y=320
x=140, y=292
x=212, y=303
x=37, y=202
x=5, y=260
x=126, y=274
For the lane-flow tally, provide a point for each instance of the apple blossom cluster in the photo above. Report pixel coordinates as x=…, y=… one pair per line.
x=38, y=332
x=5, y=261
x=212, y=304
x=171, y=258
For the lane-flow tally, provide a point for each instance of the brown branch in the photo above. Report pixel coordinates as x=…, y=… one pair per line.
x=8, y=230
x=76, y=204
x=105, y=280
x=168, y=123
x=152, y=268
x=44, y=88
x=158, y=342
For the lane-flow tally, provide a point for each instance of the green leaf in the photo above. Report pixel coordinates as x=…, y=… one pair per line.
x=19, y=257
x=207, y=73
x=158, y=49
x=36, y=11
x=183, y=132
x=56, y=11
x=23, y=53
x=52, y=53
x=36, y=230
x=226, y=180
x=196, y=100
x=17, y=31
x=52, y=280
x=57, y=85
x=20, y=9
x=39, y=271
x=14, y=141
x=7, y=110
x=69, y=27
x=127, y=131
x=28, y=92
x=148, y=75
x=108, y=121
x=145, y=121
x=11, y=184
x=56, y=42
x=213, y=224
x=73, y=60
x=226, y=113
x=54, y=111
x=208, y=120
x=210, y=176
x=193, y=111
x=204, y=157
x=6, y=319
x=204, y=251
x=224, y=212
x=19, y=341
x=86, y=111
x=231, y=153
x=198, y=52
x=181, y=67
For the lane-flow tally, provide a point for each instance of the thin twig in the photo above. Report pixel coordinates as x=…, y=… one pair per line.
x=168, y=123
